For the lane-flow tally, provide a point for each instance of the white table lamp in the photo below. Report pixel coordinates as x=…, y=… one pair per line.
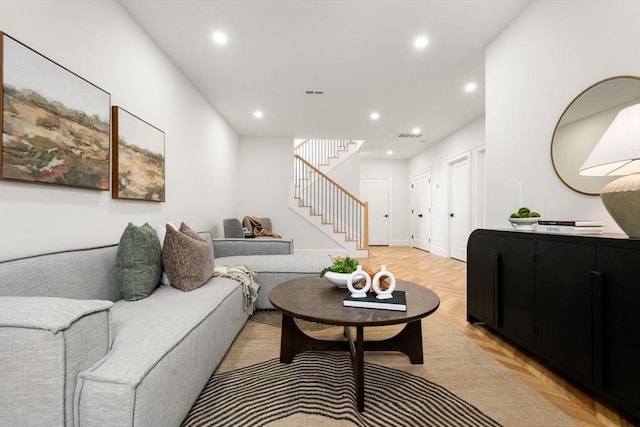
x=618, y=153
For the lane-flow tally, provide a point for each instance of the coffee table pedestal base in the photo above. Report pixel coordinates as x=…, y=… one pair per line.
x=408, y=341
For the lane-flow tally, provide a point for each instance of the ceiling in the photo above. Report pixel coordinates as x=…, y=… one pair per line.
x=358, y=53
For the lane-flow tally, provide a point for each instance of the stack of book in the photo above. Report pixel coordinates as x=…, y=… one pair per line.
x=398, y=302
x=570, y=227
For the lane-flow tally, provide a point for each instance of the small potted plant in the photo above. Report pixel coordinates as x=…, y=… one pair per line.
x=340, y=270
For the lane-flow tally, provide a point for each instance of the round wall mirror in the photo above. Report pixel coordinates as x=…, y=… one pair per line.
x=582, y=124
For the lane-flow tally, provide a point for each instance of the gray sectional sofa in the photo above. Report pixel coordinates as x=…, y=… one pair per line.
x=73, y=352
x=272, y=259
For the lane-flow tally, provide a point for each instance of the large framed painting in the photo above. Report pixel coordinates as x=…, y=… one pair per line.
x=55, y=124
x=138, y=158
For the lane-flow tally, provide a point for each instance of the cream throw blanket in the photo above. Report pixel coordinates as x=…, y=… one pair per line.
x=248, y=278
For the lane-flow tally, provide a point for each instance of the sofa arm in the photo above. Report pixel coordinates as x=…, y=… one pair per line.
x=257, y=246
x=45, y=343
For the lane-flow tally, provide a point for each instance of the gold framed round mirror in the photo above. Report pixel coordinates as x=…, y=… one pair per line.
x=582, y=124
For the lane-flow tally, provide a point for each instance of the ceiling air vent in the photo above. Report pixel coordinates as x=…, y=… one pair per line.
x=408, y=135
x=314, y=92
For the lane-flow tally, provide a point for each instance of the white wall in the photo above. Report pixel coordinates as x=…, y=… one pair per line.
x=399, y=211
x=346, y=173
x=534, y=69
x=99, y=41
x=435, y=157
x=265, y=179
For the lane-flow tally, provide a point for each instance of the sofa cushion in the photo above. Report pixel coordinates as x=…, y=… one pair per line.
x=278, y=263
x=79, y=274
x=138, y=262
x=165, y=349
x=232, y=228
x=187, y=257
x=46, y=342
x=46, y=313
x=275, y=269
x=257, y=246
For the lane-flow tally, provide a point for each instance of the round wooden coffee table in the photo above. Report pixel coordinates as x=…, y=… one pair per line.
x=317, y=300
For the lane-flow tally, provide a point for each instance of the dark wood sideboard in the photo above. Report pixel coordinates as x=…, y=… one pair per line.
x=573, y=302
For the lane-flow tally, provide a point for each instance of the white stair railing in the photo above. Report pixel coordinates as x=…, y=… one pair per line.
x=334, y=204
x=319, y=152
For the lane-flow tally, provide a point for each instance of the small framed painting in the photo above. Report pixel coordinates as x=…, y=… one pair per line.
x=55, y=124
x=138, y=158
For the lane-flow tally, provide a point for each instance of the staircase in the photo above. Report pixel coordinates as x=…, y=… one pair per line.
x=325, y=203
x=323, y=153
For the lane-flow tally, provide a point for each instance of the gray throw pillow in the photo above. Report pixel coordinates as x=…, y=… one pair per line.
x=138, y=262
x=187, y=257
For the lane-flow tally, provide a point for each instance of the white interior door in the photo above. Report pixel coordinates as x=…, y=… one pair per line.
x=421, y=211
x=459, y=206
x=376, y=191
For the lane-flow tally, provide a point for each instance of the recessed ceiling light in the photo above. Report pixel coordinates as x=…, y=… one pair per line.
x=375, y=115
x=220, y=38
x=389, y=152
x=421, y=42
x=415, y=130
x=258, y=114
x=470, y=87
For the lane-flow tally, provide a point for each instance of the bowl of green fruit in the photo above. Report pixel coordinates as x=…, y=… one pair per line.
x=524, y=219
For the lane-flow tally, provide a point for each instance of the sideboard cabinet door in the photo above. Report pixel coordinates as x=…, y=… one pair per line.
x=481, y=265
x=563, y=306
x=515, y=288
x=620, y=270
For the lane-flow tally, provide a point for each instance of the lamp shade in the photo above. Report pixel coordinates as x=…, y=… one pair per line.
x=618, y=151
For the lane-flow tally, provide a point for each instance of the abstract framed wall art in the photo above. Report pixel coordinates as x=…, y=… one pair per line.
x=55, y=124
x=138, y=158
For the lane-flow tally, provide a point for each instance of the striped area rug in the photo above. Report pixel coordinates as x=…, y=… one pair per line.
x=323, y=385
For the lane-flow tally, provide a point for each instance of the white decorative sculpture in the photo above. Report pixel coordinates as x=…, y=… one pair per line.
x=386, y=294
x=362, y=292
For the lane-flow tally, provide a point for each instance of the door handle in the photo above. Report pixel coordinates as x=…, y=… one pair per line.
x=419, y=215
x=451, y=214
x=386, y=215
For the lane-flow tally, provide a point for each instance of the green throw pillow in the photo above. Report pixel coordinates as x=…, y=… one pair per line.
x=138, y=262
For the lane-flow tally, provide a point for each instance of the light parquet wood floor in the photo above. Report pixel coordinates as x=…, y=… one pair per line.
x=447, y=277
